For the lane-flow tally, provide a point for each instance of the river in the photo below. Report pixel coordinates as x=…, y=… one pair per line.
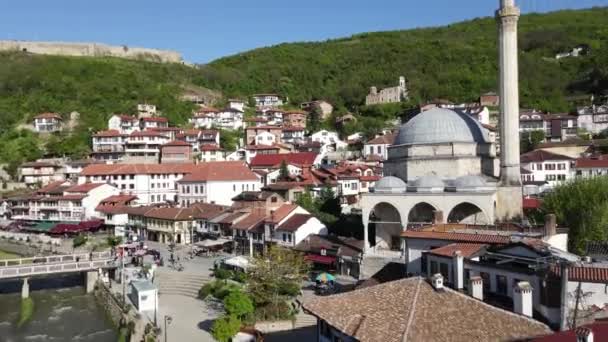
x=60, y=314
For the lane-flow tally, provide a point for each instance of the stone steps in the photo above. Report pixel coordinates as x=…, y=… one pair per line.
x=179, y=283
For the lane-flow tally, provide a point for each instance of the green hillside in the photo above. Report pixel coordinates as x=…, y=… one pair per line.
x=94, y=87
x=458, y=62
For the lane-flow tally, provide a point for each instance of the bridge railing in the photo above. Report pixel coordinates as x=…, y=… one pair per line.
x=40, y=269
x=55, y=259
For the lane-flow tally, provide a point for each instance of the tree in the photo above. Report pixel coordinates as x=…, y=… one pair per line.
x=328, y=203
x=582, y=206
x=272, y=278
x=238, y=304
x=114, y=241
x=225, y=328
x=283, y=171
x=314, y=119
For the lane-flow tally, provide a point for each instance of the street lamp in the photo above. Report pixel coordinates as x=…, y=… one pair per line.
x=191, y=234
x=168, y=320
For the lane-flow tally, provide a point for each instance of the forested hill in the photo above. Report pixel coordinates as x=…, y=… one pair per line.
x=458, y=62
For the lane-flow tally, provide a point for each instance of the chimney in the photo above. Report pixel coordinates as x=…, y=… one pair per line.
x=437, y=217
x=458, y=270
x=476, y=287
x=437, y=281
x=522, y=298
x=550, y=225
x=583, y=334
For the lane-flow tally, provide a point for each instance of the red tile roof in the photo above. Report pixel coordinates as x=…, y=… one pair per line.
x=206, y=210
x=132, y=169
x=176, y=143
x=467, y=249
x=387, y=139
x=122, y=198
x=173, y=214
x=125, y=117
x=251, y=221
x=108, y=133
x=294, y=222
x=112, y=209
x=272, y=160
x=83, y=188
x=155, y=119
x=146, y=133
x=220, y=171
x=51, y=187
x=281, y=213
x=210, y=147
x=531, y=203
x=369, y=178
x=48, y=116
x=601, y=162
x=541, y=155
x=460, y=237
x=584, y=274
x=600, y=333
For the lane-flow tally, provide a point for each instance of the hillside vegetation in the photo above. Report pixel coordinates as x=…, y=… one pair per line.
x=457, y=62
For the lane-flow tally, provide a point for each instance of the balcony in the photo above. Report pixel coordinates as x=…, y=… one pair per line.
x=108, y=148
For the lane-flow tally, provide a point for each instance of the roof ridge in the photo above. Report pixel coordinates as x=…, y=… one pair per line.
x=412, y=311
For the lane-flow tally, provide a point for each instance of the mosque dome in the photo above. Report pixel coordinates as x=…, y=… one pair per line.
x=441, y=125
x=470, y=182
x=390, y=184
x=428, y=183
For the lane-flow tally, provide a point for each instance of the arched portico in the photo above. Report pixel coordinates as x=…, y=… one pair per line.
x=422, y=212
x=385, y=226
x=468, y=213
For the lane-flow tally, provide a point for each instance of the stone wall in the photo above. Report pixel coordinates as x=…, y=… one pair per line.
x=91, y=50
x=109, y=303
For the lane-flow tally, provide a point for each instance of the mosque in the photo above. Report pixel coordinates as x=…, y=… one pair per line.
x=443, y=166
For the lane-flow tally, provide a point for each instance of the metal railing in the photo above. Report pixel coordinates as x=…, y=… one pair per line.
x=30, y=270
x=55, y=259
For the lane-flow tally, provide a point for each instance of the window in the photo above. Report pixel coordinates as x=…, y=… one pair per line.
x=131, y=176
x=539, y=167
x=284, y=237
x=561, y=177
x=371, y=150
x=379, y=149
x=486, y=281
x=501, y=284
x=354, y=186
x=561, y=166
x=443, y=269
x=434, y=268
x=131, y=186
x=233, y=187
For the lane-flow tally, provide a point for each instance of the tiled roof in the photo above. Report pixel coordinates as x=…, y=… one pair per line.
x=176, y=143
x=294, y=222
x=139, y=211
x=108, y=133
x=531, y=203
x=540, y=156
x=83, y=188
x=369, y=178
x=39, y=164
x=220, y=171
x=457, y=237
x=125, y=117
x=411, y=309
x=155, y=119
x=210, y=147
x=206, y=210
x=250, y=221
x=132, y=169
x=293, y=129
x=600, y=162
x=270, y=160
x=146, y=133
x=584, y=273
x=467, y=249
x=48, y=116
x=231, y=218
x=387, y=139
x=173, y=214
x=262, y=147
x=253, y=196
x=122, y=198
x=281, y=213
x=390, y=272
x=597, y=249
x=52, y=187
x=599, y=329
x=112, y=209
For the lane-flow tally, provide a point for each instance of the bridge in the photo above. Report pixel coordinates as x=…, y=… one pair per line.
x=88, y=263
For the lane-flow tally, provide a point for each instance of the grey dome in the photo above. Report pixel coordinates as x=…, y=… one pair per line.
x=440, y=125
x=390, y=184
x=428, y=183
x=470, y=182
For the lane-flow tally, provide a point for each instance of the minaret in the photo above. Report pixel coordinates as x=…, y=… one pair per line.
x=509, y=195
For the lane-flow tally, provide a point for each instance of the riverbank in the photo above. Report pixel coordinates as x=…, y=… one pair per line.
x=6, y=255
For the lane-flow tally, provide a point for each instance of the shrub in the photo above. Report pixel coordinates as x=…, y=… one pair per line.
x=238, y=304
x=239, y=276
x=222, y=274
x=79, y=241
x=27, y=310
x=206, y=290
x=273, y=312
x=225, y=328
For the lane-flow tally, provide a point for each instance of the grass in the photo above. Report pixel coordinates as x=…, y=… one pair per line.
x=27, y=310
x=5, y=255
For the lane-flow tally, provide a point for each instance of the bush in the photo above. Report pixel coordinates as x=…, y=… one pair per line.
x=79, y=241
x=27, y=310
x=206, y=290
x=238, y=304
x=273, y=312
x=239, y=276
x=225, y=328
x=221, y=273
x=218, y=289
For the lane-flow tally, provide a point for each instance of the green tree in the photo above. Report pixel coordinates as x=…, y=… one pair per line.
x=283, y=171
x=582, y=206
x=328, y=202
x=238, y=304
x=224, y=328
x=114, y=241
x=272, y=277
x=314, y=119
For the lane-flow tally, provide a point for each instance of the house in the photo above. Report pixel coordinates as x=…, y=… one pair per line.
x=164, y=224
x=270, y=162
x=579, y=50
x=273, y=115
x=229, y=118
x=490, y=99
x=593, y=119
x=109, y=145
x=267, y=100
x=153, y=122
x=557, y=127
x=144, y=146
x=176, y=152
x=582, y=333
x=145, y=110
x=546, y=167
x=251, y=134
x=295, y=118
x=330, y=252
x=255, y=122
x=330, y=141
x=216, y=182
x=73, y=168
x=114, y=210
x=40, y=172
x=591, y=166
x=48, y=123
x=379, y=146
x=236, y=104
x=199, y=137
x=324, y=108
x=203, y=213
x=205, y=117
x=412, y=309
x=123, y=124
x=388, y=95
x=62, y=201
x=292, y=135
x=211, y=153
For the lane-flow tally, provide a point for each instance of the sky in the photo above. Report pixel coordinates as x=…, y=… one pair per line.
x=203, y=30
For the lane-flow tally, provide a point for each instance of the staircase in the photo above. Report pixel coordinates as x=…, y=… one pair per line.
x=374, y=263
x=180, y=283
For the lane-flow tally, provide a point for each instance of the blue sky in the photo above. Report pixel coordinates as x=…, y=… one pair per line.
x=203, y=30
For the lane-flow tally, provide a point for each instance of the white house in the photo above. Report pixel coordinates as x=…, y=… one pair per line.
x=594, y=119
x=204, y=117
x=146, y=110
x=47, y=123
x=153, y=122
x=40, y=172
x=236, y=104
x=590, y=167
x=379, y=146
x=229, y=118
x=211, y=153
x=216, y=183
x=144, y=146
x=109, y=145
x=267, y=100
x=265, y=138
x=546, y=166
x=292, y=134
x=295, y=228
x=124, y=124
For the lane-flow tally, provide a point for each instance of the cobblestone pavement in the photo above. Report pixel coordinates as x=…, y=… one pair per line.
x=191, y=318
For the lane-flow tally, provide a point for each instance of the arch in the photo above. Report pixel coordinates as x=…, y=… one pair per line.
x=469, y=213
x=422, y=212
x=385, y=226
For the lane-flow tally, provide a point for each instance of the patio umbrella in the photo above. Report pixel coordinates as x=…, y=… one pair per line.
x=325, y=277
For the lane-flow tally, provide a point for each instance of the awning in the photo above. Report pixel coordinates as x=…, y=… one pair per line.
x=211, y=243
x=320, y=259
x=237, y=261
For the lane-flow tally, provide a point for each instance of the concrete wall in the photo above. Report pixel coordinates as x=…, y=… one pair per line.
x=91, y=50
